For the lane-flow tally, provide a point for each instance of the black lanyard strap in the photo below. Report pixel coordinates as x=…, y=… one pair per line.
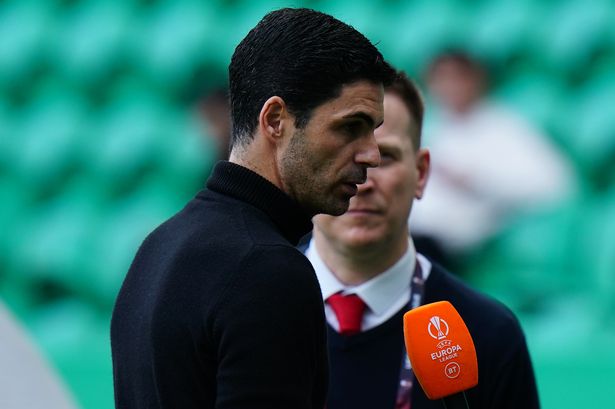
x=406, y=376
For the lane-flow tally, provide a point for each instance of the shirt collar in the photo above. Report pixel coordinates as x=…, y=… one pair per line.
x=379, y=293
x=241, y=183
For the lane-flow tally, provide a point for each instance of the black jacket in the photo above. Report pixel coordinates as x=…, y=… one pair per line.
x=219, y=310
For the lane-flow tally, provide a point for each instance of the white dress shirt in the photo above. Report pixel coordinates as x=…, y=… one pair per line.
x=384, y=294
x=486, y=165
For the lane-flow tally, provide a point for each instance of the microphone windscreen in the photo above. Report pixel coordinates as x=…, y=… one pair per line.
x=440, y=349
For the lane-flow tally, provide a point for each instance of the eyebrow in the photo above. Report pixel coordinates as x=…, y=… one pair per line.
x=390, y=147
x=362, y=116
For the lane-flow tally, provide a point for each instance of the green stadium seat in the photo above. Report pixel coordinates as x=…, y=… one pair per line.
x=416, y=31
x=504, y=29
x=229, y=24
x=538, y=96
x=50, y=242
x=530, y=261
x=360, y=14
x=75, y=338
x=592, y=124
x=8, y=139
x=121, y=230
x=13, y=210
x=189, y=154
x=172, y=40
x=24, y=28
x=125, y=136
x=573, y=32
x=92, y=40
x=46, y=136
x=595, y=259
x=571, y=345
x=18, y=297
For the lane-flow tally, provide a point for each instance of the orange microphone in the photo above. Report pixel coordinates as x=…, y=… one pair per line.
x=441, y=352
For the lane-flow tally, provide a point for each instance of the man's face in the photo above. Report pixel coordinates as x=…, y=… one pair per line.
x=378, y=214
x=454, y=86
x=324, y=162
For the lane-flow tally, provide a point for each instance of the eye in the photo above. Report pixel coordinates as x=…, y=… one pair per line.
x=387, y=158
x=353, y=129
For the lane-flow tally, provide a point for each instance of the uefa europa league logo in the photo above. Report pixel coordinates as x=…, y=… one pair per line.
x=437, y=328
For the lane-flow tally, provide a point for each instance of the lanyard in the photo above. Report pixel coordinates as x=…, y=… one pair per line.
x=406, y=376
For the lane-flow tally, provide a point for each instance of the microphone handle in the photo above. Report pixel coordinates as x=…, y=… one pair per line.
x=456, y=401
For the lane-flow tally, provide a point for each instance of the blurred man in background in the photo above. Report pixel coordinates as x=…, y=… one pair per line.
x=370, y=275
x=216, y=113
x=488, y=163
x=219, y=309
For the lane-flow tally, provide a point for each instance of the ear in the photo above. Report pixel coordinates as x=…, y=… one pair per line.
x=423, y=164
x=273, y=119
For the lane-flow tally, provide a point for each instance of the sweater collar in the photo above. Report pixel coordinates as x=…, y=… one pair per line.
x=250, y=187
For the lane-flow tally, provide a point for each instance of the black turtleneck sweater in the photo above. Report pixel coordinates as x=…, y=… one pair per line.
x=219, y=310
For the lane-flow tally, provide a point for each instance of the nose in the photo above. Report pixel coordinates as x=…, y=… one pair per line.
x=366, y=187
x=368, y=154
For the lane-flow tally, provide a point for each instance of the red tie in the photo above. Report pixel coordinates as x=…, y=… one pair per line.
x=349, y=311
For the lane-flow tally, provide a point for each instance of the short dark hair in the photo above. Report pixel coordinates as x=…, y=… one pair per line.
x=303, y=56
x=404, y=88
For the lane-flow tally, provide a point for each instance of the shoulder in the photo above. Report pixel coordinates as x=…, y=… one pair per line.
x=213, y=224
x=275, y=282
x=207, y=212
x=281, y=264
x=271, y=276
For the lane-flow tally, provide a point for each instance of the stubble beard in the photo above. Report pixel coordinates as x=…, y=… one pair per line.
x=304, y=181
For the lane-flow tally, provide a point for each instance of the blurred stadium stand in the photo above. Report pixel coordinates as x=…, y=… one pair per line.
x=100, y=142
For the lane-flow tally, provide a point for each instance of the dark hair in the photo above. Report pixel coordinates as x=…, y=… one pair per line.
x=409, y=93
x=303, y=56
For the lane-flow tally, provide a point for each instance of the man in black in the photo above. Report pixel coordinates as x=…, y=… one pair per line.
x=218, y=309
